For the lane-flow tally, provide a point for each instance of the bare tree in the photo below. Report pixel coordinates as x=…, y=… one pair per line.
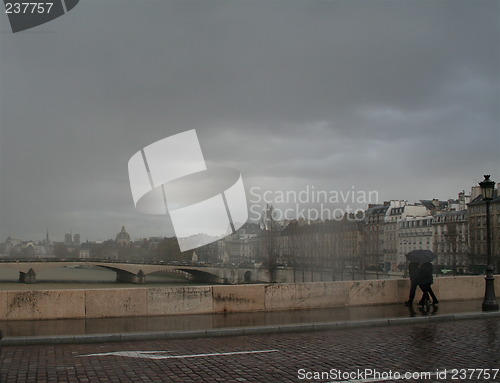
x=269, y=226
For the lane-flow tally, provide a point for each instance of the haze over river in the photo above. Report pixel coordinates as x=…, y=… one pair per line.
x=82, y=278
x=95, y=277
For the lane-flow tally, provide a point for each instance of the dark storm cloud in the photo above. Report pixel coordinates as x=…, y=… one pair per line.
x=394, y=96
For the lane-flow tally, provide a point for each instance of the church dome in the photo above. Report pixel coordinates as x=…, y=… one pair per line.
x=123, y=238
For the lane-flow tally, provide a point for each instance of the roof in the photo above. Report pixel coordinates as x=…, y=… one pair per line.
x=451, y=213
x=251, y=228
x=479, y=199
x=379, y=209
x=429, y=204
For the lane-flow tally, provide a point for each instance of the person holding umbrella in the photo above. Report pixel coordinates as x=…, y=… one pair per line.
x=422, y=276
x=426, y=279
x=413, y=271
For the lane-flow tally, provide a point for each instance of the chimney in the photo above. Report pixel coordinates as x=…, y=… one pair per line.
x=475, y=192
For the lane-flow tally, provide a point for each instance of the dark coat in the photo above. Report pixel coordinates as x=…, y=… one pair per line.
x=413, y=271
x=425, y=276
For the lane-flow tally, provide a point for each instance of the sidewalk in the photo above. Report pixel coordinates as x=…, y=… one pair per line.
x=193, y=326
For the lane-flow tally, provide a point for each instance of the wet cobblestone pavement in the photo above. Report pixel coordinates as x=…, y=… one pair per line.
x=449, y=351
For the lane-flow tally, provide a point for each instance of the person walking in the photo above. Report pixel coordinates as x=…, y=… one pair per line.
x=414, y=272
x=425, y=280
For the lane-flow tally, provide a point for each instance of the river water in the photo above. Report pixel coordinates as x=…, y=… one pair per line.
x=83, y=278
x=95, y=277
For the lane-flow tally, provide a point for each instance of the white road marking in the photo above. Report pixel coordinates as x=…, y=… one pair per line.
x=161, y=354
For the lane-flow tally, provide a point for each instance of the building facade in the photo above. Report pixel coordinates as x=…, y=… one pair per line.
x=398, y=211
x=478, y=233
x=373, y=236
x=415, y=233
x=451, y=241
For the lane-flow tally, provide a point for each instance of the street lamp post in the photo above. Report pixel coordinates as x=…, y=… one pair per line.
x=489, y=302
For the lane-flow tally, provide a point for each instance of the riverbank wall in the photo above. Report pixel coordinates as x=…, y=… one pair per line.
x=154, y=301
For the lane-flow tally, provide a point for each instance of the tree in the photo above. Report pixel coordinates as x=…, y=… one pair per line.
x=61, y=250
x=103, y=250
x=168, y=251
x=269, y=226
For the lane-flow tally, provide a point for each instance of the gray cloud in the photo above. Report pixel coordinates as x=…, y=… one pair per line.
x=396, y=96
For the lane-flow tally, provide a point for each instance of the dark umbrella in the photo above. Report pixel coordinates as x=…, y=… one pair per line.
x=421, y=256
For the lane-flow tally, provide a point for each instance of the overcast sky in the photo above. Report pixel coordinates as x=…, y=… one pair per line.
x=398, y=97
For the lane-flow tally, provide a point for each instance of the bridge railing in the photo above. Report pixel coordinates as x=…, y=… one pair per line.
x=98, y=260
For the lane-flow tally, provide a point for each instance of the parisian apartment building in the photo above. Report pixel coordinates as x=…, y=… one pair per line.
x=454, y=229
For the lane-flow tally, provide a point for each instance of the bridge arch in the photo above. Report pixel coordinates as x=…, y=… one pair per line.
x=203, y=276
x=129, y=272
x=247, y=277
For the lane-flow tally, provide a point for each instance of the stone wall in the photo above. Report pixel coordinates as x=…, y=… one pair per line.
x=153, y=301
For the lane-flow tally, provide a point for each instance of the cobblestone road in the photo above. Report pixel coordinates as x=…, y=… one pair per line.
x=294, y=357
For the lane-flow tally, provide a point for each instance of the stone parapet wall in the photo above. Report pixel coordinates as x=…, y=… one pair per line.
x=154, y=301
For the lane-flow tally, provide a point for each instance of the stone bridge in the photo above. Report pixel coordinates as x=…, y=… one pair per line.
x=136, y=272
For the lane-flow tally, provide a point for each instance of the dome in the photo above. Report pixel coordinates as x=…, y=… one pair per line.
x=123, y=238
x=123, y=234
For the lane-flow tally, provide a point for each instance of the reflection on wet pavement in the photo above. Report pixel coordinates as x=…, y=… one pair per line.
x=219, y=321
